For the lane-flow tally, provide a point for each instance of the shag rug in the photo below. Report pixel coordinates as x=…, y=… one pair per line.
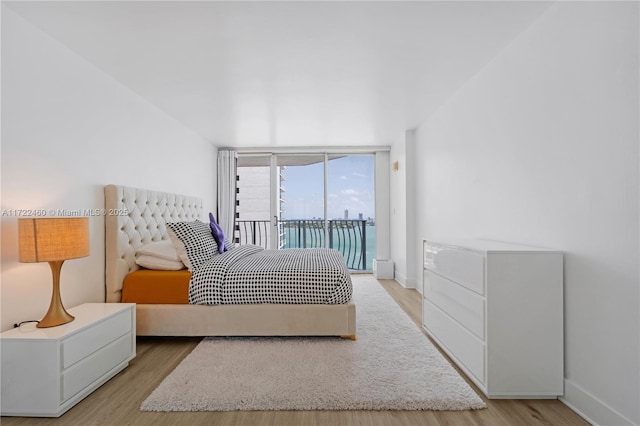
x=391, y=366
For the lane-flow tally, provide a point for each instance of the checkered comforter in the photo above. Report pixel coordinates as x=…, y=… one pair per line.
x=249, y=274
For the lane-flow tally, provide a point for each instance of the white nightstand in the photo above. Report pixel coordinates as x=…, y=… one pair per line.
x=47, y=371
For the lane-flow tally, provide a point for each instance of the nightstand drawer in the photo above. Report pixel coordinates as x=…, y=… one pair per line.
x=459, y=341
x=465, y=267
x=463, y=305
x=88, y=341
x=90, y=369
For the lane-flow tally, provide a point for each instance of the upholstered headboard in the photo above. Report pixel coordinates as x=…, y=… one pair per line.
x=135, y=217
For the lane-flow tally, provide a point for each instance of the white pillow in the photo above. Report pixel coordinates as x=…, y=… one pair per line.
x=157, y=263
x=161, y=249
x=160, y=255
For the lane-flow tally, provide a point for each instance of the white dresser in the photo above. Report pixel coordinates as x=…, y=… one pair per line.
x=46, y=371
x=497, y=310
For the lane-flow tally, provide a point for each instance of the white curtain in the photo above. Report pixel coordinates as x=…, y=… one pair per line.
x=227, y=171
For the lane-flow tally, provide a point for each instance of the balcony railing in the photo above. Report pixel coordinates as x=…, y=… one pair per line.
x=349, y=237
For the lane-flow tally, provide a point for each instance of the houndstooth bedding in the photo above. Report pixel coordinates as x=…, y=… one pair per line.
x=249, y=274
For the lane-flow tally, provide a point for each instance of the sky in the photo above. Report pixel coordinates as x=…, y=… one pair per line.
x=350, y=187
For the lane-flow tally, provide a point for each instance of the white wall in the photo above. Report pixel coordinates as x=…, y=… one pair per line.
x=68, y=129
x=541, y=147
x=402, y=210
x=382, y=185
x=398, y=210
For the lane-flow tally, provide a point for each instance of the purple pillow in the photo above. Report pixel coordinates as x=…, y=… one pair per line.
x=217, y=233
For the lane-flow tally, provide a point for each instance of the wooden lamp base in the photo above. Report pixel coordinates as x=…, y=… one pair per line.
x=56, y=315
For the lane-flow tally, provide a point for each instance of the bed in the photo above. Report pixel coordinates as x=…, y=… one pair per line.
x=136, y=217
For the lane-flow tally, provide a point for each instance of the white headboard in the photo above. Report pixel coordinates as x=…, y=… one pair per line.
x=135, y=217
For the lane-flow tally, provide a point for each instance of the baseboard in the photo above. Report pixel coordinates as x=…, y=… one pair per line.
x=591, y=408
x=404, y=281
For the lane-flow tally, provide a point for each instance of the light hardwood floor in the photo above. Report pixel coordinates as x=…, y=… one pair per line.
x=118, y=401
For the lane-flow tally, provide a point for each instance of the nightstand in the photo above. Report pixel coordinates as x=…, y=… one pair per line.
x=46, y=371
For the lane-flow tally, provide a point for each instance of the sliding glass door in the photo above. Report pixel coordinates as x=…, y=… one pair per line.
x=308, y=201
x=303, y=213
x=254, y=201
x=351, y=207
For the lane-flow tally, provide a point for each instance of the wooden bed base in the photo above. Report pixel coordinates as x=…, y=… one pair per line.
x=137, y=217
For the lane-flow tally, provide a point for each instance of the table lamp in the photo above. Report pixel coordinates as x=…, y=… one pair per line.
x=53, y=240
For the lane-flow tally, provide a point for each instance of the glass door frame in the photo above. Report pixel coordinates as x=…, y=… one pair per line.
x=382, y=183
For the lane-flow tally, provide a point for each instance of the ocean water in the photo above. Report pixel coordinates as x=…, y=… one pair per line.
x=351, y=250
x=371, y=246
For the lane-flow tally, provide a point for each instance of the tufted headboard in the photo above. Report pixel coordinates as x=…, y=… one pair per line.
x=135, y=217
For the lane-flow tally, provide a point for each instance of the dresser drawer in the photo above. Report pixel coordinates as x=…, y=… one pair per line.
x=463, y=305
x=465, y=267
x=460, y=342
x=88, y=341
x=92, y=368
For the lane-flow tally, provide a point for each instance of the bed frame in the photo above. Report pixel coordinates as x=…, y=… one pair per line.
x=136, y=217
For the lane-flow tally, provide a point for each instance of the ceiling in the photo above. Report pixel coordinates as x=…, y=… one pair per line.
x=252, y=74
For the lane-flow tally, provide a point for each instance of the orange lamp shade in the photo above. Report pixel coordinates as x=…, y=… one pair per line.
x=51, y=239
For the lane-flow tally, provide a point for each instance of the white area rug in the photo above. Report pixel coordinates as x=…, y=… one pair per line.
x=392, y=366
